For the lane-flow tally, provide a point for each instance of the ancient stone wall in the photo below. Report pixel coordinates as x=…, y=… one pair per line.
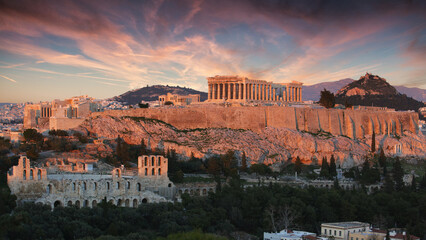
x=119, y=187
x=351, y=123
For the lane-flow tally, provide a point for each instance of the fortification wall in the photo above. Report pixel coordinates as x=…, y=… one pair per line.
x=351, y=123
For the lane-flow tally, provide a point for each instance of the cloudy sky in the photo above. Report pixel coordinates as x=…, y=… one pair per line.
x=59, y=49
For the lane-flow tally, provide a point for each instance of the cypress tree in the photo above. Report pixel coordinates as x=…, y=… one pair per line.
x=244, y=162
x=324, y=168
x=332, y=169
x=398, y=175
x=298, y=165
x=373, y=143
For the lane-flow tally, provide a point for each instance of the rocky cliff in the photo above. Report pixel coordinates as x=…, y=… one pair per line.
x=270, y=145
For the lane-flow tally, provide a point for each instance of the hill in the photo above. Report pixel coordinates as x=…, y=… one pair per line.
x=151, y=93
x=312, y=92
x=372, y=90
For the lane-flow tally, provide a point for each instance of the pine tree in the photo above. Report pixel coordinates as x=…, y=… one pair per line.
x=373, y=143
x=387, y=235
x=332, y=170
x=414, y=184
x=143, y=147
x=422, y=184
x=327, y=99
x=389, y=185
x=398, y=175
x=382, y=161
x=298, y=165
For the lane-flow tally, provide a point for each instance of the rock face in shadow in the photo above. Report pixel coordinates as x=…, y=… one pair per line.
x=270, y=145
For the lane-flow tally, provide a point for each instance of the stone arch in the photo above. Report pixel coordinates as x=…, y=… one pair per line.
x=135, y=203
x=111, y=201
x=69, y=204
x=128, y=184
x=57, y=203
x=118, y=185
x=153, y=172
x=39, y=174
x=145, y=161
x=139, y=188
x=94, y=203
x=191, y=192
x=73, y=186
x=159, y=172
x=84, y=186
x=119, y=202
x=127, y=203
x=77, y=203
x=117, y=173
x=31, y=174
x=204, y=191
x=169, y=185
x=95, y=186
x=197, y=192
x=186, y=191
x=152, y=161
x=144, y=200
x=86, y=203
x=49, y=188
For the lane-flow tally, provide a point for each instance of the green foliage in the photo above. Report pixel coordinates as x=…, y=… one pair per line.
x=325, y=168
x=143, y=105
x=398, y=175
x=82, y=138
x=58, y=133
x=260, y=169
x=327, y=99
x=333, y=168
x=243, y=162
x=193, y=235
x=369, y=175
x=168, y=103
x=373, y=142
x=298, y=165
x=32, y=135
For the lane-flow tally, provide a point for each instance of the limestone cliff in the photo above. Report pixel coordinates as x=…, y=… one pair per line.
x=268, y=146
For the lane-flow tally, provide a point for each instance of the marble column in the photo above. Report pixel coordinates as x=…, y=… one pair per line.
x=301, y=94
x=274, y=97
x=229, y=91
x=244, y=91
x=209, y=97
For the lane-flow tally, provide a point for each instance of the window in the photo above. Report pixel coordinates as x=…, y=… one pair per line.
x=159, y=161
x=95, y=186
x=146, y=171
x=340, y=233
x=31, y=174
x=146, y=161
x=128, y=185
x=139, y=187
x=334, y=232
x=84, y=186
x=24, y=175
x=39, y=174
x=118, y=185
x=153, y=172
x=152, y=161
x=108, y=187
x=325, y=231
x=73, y=186
x=49, y=188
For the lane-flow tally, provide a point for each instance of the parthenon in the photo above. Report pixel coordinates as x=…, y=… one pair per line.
x=242, y=89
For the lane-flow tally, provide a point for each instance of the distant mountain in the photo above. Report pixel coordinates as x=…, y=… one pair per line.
x=312, y=92
x=151, y=93
x=372, y=90
x=416, y=93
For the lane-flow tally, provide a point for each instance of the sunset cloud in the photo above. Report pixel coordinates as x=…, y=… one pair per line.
x=140, y=43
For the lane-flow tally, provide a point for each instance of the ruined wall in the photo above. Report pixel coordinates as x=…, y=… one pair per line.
x=351, y=123
x=64, y=123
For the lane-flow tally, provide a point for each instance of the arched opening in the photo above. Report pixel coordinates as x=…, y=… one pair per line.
x=39, y=174
x=73, y=186
x=69, y=204
x=135, y=203
x=139, y=187
x=191, y=192
x=119, y=202
x=197, y=192
x=159, y=171
x=186, y=191
x=146, y=161
x=86, y=203
x=24, y=174
x=170, y=185
x=84, y=186
x=94, y=203
x=118, y=185
x=144, y=200
x=152, y=161
x=31, y=174
x=49, y=189
x=159, y=161
x=153, y=172
x=108, y=186
x=128, y=185
x=117, y=173
x=95, y=186
x=204, y=191
x=146, y=171
x=111, y=202
x=24, y=162
x=180, y=192
x=127, y=203
x=57, y=204
x=77, y=204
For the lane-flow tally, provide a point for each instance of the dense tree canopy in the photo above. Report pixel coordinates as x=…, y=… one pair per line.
x=327, y=99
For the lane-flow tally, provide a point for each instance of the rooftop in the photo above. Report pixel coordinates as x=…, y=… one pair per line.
x=346, y=224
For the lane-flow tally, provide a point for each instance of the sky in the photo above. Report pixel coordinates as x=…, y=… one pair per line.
x=59, y=49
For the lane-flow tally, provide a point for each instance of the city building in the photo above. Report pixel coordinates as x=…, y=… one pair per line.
x=242, y=89
x=289, y=235
x=59, y=114
x=66, y=182
x=341, y=230
x=177, y=99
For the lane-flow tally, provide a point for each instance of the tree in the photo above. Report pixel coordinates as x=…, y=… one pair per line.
x=298, y=165
x=143, y=105
x=244, y=162
x=389, y=185
x=168, y=103
x=143, y=147
x=32, y=135
x=398, y=175
x=325, y=168
x=382, y=161
x=327, y=99
x=373, y=142
x=332, y=169
x=414, y=184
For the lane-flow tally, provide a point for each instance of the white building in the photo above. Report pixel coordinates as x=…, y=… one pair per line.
x=287, y=235
x=341, y=230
